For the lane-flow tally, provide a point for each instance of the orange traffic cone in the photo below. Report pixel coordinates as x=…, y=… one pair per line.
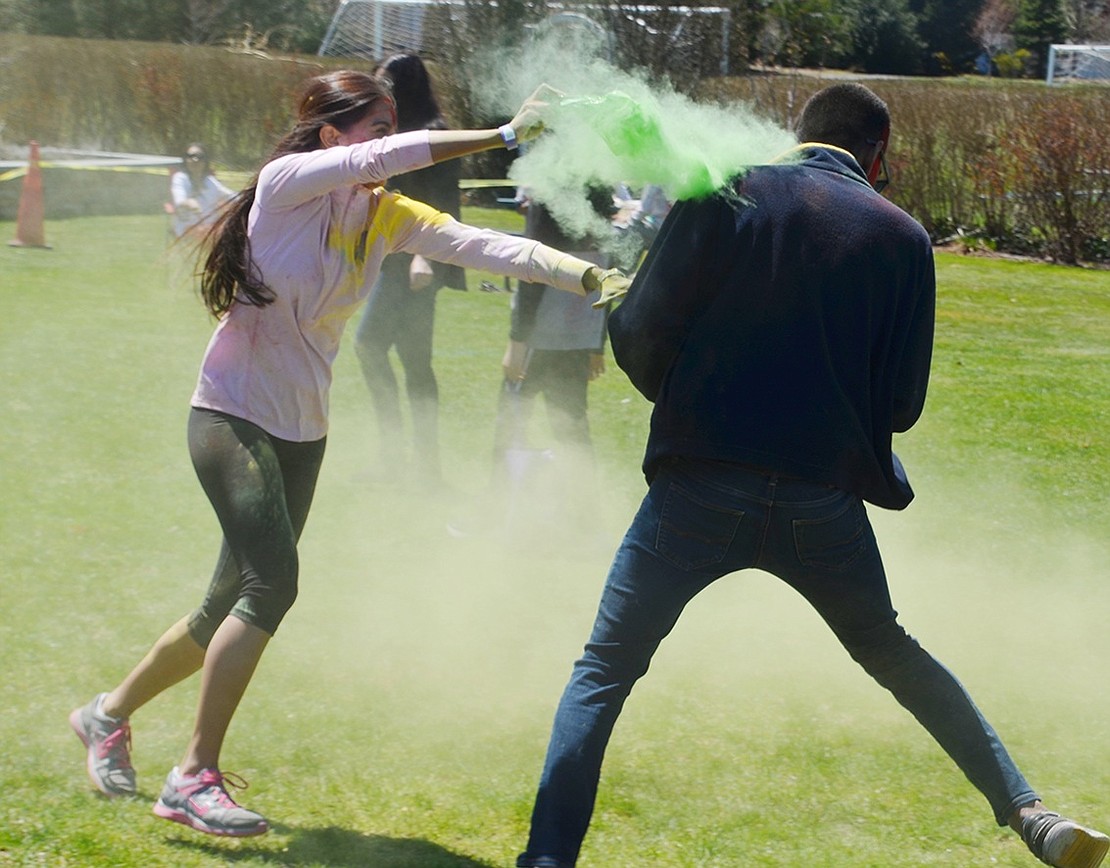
x=29, y=231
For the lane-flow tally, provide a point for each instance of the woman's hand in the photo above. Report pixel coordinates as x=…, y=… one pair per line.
x=515, y=361
x=420, y=273
x=528, y=123
x=612, y=282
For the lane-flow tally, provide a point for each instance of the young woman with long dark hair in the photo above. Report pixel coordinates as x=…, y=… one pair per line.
x=291, y=258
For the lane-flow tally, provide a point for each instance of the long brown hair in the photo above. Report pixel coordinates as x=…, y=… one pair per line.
x=417, y=107
x=229, y=275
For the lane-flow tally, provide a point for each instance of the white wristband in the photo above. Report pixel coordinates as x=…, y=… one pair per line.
x=508, y=136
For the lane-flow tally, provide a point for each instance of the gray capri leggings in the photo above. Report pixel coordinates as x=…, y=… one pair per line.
x=261, y=488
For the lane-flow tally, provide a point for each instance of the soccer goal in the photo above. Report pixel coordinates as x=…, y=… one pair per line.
x=374, y=29
x=1078, y=63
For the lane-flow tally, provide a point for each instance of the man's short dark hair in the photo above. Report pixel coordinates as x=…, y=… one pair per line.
x=846, y=115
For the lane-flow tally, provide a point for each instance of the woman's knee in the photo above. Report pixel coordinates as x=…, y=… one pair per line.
x=275, y=612
x=267, y=610
x=370, y=351
x=262, y=608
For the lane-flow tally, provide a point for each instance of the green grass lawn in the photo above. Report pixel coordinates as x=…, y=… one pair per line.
x=400, y=716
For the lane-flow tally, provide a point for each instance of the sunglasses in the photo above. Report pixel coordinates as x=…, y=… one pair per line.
x=883, y=180
x=194, y=157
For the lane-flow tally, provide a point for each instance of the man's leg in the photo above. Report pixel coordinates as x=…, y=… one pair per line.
x=638, y=608
x=826, y=549
x=822, y=544
x=660, y=566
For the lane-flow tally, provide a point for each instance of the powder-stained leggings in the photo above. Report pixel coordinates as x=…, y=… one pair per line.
x=261, y=488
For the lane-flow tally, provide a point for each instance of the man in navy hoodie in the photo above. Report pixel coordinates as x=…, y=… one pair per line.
x=783, y=329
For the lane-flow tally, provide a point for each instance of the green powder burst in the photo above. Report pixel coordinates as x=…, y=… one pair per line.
x=635, y=135
x=613, y=128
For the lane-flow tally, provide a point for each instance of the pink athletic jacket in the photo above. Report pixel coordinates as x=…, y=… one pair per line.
x=318, y=238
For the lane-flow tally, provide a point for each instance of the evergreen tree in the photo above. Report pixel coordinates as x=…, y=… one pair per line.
x=747, y=22
x=885, y=38
x=279, y=25
x=1039, y=24
x=129, y=19
x=51, y=17
x=947, y=29
x=807, y=32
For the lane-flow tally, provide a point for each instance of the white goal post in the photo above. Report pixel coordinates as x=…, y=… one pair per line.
x=1067, y=62
x=374, y=29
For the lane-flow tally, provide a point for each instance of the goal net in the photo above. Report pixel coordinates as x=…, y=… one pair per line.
x=374, y=29
x=1078, y=63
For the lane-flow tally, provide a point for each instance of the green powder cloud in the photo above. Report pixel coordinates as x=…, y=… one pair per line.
x=613, y=127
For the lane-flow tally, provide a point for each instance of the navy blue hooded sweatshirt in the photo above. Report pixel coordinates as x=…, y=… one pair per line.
x=785, y=324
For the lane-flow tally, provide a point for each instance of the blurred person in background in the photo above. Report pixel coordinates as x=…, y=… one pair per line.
x=400, y=313
x=287, y=264
x=556, y=349
x=196, y=194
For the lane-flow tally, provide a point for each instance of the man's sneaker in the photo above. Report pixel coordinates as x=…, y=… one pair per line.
x=108, y=743
x=1062, y=843
x=202, y=803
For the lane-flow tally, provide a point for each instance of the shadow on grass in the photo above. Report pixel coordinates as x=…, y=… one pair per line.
x=336, y=848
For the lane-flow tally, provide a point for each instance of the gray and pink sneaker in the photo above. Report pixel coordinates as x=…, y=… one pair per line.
x=108, y=748
x=201, y=802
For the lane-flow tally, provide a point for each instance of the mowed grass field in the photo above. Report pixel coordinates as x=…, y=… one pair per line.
x=400, y=716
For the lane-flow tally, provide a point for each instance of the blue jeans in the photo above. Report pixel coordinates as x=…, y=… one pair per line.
x=702, y=520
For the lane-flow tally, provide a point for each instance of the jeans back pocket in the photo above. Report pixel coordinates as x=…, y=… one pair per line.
x=835, y=540
x=693, y=532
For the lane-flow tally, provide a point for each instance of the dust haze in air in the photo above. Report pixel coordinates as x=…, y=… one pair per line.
x=570, y=155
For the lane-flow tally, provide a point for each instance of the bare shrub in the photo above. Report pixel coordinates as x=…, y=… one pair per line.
x=1062, y=173
x=942, y=137
x=777, y=97
x=992, y=175
x=1026, y=167
x=148, y=97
